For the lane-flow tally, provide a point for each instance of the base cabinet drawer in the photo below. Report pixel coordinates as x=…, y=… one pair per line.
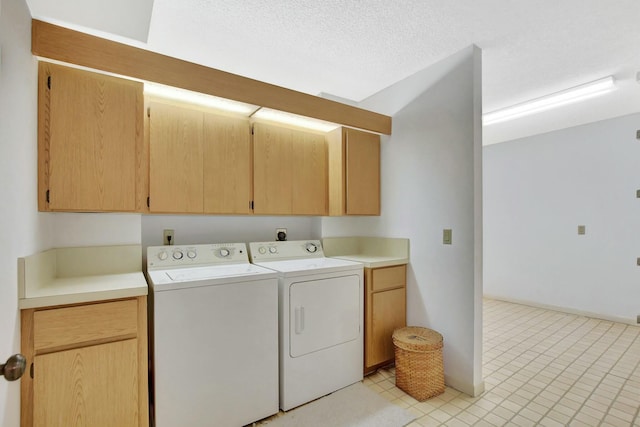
x=385, y=311
x=88, y=365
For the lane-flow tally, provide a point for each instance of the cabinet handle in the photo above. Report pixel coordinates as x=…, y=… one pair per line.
x=299, y=320
x=14, y=368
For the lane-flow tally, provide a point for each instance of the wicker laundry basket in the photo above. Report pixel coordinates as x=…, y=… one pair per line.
x=419, y=366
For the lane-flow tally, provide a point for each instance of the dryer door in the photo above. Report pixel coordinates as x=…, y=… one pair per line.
x=323, y=313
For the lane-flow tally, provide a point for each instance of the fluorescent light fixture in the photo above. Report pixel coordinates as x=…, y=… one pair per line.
x=569, y=96
x=294, y=120
x=201, y=99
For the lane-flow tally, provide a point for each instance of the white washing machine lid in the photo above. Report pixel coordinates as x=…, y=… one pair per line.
x=305, y=266
x=210, y=275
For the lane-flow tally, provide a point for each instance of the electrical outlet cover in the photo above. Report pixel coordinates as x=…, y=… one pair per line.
x=281, y=234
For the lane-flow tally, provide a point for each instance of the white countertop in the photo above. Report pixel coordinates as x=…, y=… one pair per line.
x=373, y=252
x=75, y=275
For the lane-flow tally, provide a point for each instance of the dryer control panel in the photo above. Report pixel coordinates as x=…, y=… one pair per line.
x=192, y=255
x=285, y=250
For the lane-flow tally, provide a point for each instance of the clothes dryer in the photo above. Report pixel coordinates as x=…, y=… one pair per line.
x=320, y=319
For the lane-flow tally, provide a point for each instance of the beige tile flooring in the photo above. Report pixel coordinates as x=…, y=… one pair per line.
x=541, y=367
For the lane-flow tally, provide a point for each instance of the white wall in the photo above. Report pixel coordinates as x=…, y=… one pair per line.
x=431, y=180
x=24, y=231
x=537, y=191
x=194, y=229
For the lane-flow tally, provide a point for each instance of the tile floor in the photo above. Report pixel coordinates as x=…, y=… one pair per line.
x=541, y=367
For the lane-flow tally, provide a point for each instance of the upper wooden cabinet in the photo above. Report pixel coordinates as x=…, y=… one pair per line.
x=89, y=141
x=289, y=171
x=354, y=172
x=198, y=162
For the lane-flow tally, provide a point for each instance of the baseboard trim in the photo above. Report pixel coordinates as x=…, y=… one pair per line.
x=472, y=390
x=567, y=310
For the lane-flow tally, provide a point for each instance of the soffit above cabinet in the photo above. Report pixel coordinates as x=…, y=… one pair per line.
x=74, y=47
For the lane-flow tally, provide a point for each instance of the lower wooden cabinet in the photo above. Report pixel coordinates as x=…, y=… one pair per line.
x=88, y=365
x=385, y=311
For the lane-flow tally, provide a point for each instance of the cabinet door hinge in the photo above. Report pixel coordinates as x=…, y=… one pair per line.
x=251, y=129
x=148, y=111
x=251, y=205
x=31, y=370
x=49, y=82
x=148, y=202
x=47, y=196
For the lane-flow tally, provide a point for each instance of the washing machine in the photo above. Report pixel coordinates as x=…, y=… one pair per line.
x=320, y=320
x=214, y=336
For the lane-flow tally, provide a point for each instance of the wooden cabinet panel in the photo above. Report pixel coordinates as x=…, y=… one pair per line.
x=175, y=159
x=388, y=312
x=272, y=170
x=289, y=171
x=385, y=310
x=89, y=141
x=58, y=328
x=362, y=173
x=227, y=165
x=89, y=365
x=388, y=277
x=354, y=172
x=91, y=386
x=310, y=174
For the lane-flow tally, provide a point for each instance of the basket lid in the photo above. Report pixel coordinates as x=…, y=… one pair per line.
x=416, y=338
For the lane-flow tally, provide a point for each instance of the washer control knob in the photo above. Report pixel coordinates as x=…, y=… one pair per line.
x=224, y=252
x=162, y=255
x=273, y=249
x=191, y=254
x=262, y=250
x=177, y=255
x=311, y=247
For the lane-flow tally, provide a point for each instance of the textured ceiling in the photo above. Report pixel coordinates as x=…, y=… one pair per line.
x=353, y=49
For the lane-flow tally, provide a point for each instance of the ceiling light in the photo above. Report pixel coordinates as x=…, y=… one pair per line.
x=202, y=99
x=294, y=120
x=575, y=94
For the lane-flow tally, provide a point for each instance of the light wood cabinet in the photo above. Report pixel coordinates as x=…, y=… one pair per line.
x=289, y=171
x=88, y=365
x=198, y=162
x=90, y=141
x=385, y=311
x=354, y=172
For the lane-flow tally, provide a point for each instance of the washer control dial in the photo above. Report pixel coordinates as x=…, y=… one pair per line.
x=177, y=255
x=191, y=254
x=162, y=255
x=262, y=250
x=311, y=247
x=273, y=249
x=224, y=252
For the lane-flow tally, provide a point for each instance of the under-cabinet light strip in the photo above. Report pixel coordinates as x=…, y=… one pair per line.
x=202, y=99
x=569, y=96
x=294, y=120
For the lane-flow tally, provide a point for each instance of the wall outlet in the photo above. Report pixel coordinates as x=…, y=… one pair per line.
x=638, y=319
x=638, y=194
x=447, y=236
x=167, y=237
x=582, y=229
x=638, y=134
x=638, y=261
x=281, y=234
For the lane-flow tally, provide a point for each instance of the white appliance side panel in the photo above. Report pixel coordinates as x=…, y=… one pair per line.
x=323, y=313
x=216, y=354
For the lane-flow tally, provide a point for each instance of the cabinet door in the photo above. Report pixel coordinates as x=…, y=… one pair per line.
x=272, y=169
x=175, y=159
x=388, y=312
x=309, y=174
x=91, y=386
x=90, y=137
x=362, y=182
x=227, y=165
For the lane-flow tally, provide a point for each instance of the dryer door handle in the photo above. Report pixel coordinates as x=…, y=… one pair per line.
x=299, y=320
